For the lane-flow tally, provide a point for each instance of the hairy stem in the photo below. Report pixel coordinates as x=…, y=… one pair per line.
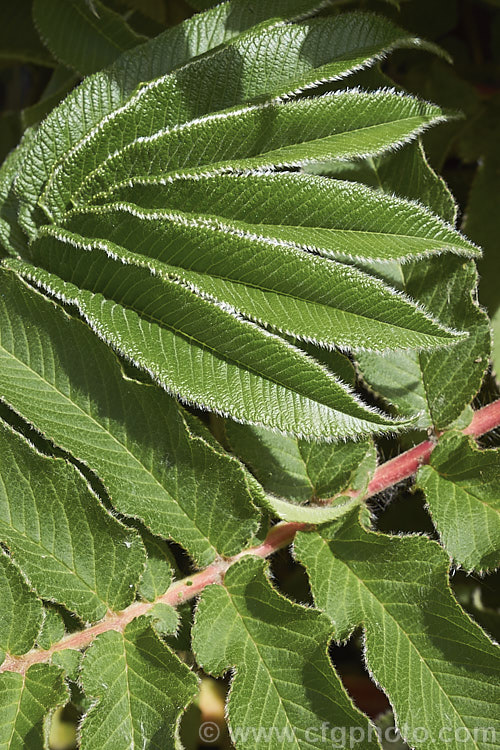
x=281, y=535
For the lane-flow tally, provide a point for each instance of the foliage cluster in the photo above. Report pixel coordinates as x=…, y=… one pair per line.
x=238, y=306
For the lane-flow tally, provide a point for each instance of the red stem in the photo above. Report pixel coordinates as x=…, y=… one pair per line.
x=281, y=535
x=484, y=420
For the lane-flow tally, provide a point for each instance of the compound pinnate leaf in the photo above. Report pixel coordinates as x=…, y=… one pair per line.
x=141, y=688
x=284, y=691
x=21, y=613
x=63, y=380
x=70, y=549
x=433, y=662
x=25, y=704
x=217, y=339
x=462, y=488
x=83, y=38
x=357, y=40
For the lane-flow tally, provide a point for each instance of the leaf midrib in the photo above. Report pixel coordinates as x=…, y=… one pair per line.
x=161, y=324
x=75, y=300
x=137, y=260
x=18, y=711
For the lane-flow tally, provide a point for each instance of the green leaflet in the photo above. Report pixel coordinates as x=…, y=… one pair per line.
x=318, y=49
x=164, y=618
x=12, y=237
x=134, y=437
x=109, y=89
x=223, y=79
x=439, y=386
x=284, y=692
x=303, y=472
x=427, y=655
x=53, y=627
x=462, y=488
x=84, y=39
x=314, y=514
x=298, y=470
x=452, y=380
x=69, y=548
x=442, y=384
x=25, y=702
x=21, y=613
x=142, y=689
x=341, y=125
x=157, y=575
x=202, y=343
x=69, y=661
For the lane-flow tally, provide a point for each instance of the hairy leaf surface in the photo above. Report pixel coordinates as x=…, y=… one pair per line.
x=25, y=702
x=429, y=657
x=462, y=488
x=21, y=614
x=70, y=549
x=443, y=383
x=298, y=470
x=342, y=125
x=212, y=331
x=64, y=381
x=318, y=407
x=141, y=689
x=284, y=682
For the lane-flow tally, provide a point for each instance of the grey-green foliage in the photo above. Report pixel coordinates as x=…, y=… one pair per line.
x=419, y=644
x=71, y=550
x=202, y=291
x=134, y=437
x=168, y=233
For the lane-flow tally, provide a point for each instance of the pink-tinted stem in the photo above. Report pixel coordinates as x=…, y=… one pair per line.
x=281, y=535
